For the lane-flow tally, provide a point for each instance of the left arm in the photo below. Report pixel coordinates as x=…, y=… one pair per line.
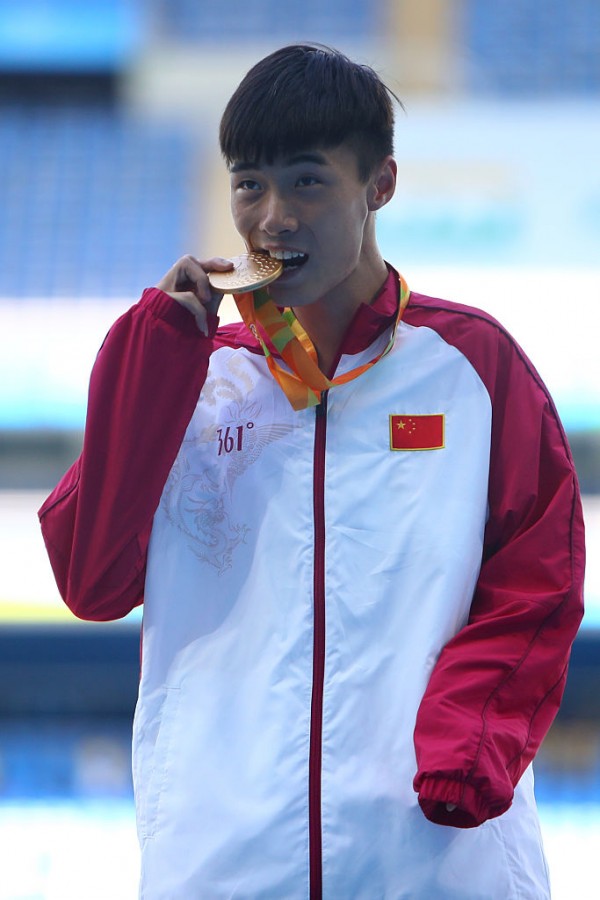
x=498, y=683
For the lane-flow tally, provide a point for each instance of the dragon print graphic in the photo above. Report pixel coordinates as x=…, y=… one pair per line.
x=199, y=493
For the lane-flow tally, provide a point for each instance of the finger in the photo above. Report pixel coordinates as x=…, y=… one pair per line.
x=194, y=306
x=207, y=294
x=189, y=274
x=217, y=263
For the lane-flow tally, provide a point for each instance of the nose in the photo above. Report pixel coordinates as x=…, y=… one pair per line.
x=277, y=215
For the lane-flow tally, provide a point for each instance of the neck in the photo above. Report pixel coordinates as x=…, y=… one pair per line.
x=327, y=320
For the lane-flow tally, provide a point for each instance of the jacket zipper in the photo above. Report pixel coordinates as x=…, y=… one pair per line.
x=316, y=712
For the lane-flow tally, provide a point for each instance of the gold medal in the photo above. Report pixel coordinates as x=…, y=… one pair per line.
x=250, y=272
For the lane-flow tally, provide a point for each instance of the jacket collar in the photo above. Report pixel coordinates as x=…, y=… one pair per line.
x=371, y=319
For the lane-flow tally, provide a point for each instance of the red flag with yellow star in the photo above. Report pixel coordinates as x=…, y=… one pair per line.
x=417, y=432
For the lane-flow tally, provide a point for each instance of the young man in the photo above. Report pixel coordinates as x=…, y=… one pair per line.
x=361, y=587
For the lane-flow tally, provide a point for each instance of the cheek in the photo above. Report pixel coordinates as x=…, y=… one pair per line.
x=240, y=215
x=348, y=224
x=236, y=215
x=347, y=236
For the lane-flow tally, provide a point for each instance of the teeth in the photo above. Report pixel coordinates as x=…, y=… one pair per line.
x=286, y=254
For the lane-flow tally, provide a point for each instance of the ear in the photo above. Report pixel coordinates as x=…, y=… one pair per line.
x=382, y=184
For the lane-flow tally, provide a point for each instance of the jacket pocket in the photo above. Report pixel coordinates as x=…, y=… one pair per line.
x=153, y=739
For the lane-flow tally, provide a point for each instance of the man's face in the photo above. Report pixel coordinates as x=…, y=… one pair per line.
x=311, y=210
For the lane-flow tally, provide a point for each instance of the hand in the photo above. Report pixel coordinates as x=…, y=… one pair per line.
x=187, y=283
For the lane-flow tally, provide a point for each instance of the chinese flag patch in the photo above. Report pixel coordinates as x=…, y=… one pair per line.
x=417, y=432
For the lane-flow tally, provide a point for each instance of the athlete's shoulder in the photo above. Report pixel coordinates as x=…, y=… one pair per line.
x=448, y=314
x=236, y=336
x=481, y=338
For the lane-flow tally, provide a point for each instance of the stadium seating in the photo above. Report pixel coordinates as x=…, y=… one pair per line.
x=530, y=48
x=94, y=203
x=233, y=21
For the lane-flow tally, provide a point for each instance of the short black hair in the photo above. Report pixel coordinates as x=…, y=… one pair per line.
x=308, y=95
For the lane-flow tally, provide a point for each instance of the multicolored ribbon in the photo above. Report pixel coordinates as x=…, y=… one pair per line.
x=305, y=383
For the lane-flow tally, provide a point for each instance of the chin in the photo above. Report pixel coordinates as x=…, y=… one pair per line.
x=291, y=297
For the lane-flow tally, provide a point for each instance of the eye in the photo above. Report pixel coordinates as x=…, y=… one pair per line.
x=247, y=184
x=307, y=181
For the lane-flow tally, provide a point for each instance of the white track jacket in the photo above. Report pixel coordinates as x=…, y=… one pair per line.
x=354, y=615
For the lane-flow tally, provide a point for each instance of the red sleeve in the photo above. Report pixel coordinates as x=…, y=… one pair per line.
x=498, y=683
x=143, y=390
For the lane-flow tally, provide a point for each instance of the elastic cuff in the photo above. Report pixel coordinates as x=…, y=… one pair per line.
x=471, y=808
x=169, y=310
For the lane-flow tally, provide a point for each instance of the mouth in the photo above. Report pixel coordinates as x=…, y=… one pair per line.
x=291, y=259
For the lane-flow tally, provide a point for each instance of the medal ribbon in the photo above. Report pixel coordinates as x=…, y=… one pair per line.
x=305, y=383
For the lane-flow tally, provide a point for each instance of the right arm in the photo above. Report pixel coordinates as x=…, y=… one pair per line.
x=143, y=390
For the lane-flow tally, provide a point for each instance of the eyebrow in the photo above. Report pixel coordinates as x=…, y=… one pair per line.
x=314, y=158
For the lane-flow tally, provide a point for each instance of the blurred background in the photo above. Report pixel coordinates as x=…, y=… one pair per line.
x=109, y=171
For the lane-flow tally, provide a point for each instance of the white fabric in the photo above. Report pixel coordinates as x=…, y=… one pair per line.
x=221, y=742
